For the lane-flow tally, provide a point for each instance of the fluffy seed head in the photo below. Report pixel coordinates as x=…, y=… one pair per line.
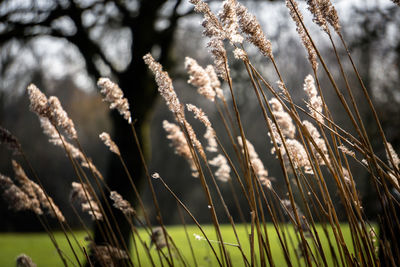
x=17, y=200
x=60, y=141
x=394, y=155
x=47, y=203
x=193, y=138
x=298, y=18
x=212, y=26
x=38, y=101
x=228, y=18
x=158, y=238
x=39, y=201
x=215, y=83
x=26, y=185
x=165, y=87
x=319, y=19
x=320, y=142
x=114, y=95
x=274, y=134
x=199, y=78
x=10, y=141
x=251, y=27
x=81, y=194
x=283, y=118
x=212, y=145
x=299, y=155
x=156, y=175
x=105, y=137
x=347, y=151
x=223, y=171
x=199, y=114
x=121, y=204
x=256, y=163
x=314, y=100
x=178, y=141
x=218, y=52
x=60, y=118
x=240, y=54
x=328, y=11
x=107, y=255
x=25, y=261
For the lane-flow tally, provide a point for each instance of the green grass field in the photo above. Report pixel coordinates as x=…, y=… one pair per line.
x=41, y=250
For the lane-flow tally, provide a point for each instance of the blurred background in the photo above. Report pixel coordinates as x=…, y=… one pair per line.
x=64, y=46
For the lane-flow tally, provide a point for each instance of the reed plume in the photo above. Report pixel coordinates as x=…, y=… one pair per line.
x=16, y=198
x=330, y=14
x=122, y=204
x=26, y=185
x=212, y=26
x=392, y=153
x=200, y=78
x=158, y=238
x=80, y=193
x=319, y=19
x=212, y=145
x=215, y=31
x=59, y=140
x=218, y=52
x=314, y=103
x=24, y=260
x=199, y=114
x=256, y=163
x=36, y=194
x=297, y=152
x=105, y=137
x=319, y=141
x=223, y=173
x=60, y=118
x=347, y=151
x=250, y=26
x=298, y=18
x=215, y=83
x=283, y=119
x=39, y=103
x=181, y=147
x=229, y=20
x=115, y=97
x=107, y=255
x=10, y=141
x=165, y=87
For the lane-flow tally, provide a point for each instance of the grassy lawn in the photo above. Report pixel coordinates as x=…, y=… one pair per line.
x=40, y=248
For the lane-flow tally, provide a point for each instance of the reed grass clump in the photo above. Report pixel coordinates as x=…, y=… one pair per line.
x=311, y=153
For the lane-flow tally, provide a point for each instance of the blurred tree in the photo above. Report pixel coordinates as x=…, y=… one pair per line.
x=96, y=28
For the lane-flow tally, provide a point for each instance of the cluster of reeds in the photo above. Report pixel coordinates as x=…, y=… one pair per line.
x=311, y=152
